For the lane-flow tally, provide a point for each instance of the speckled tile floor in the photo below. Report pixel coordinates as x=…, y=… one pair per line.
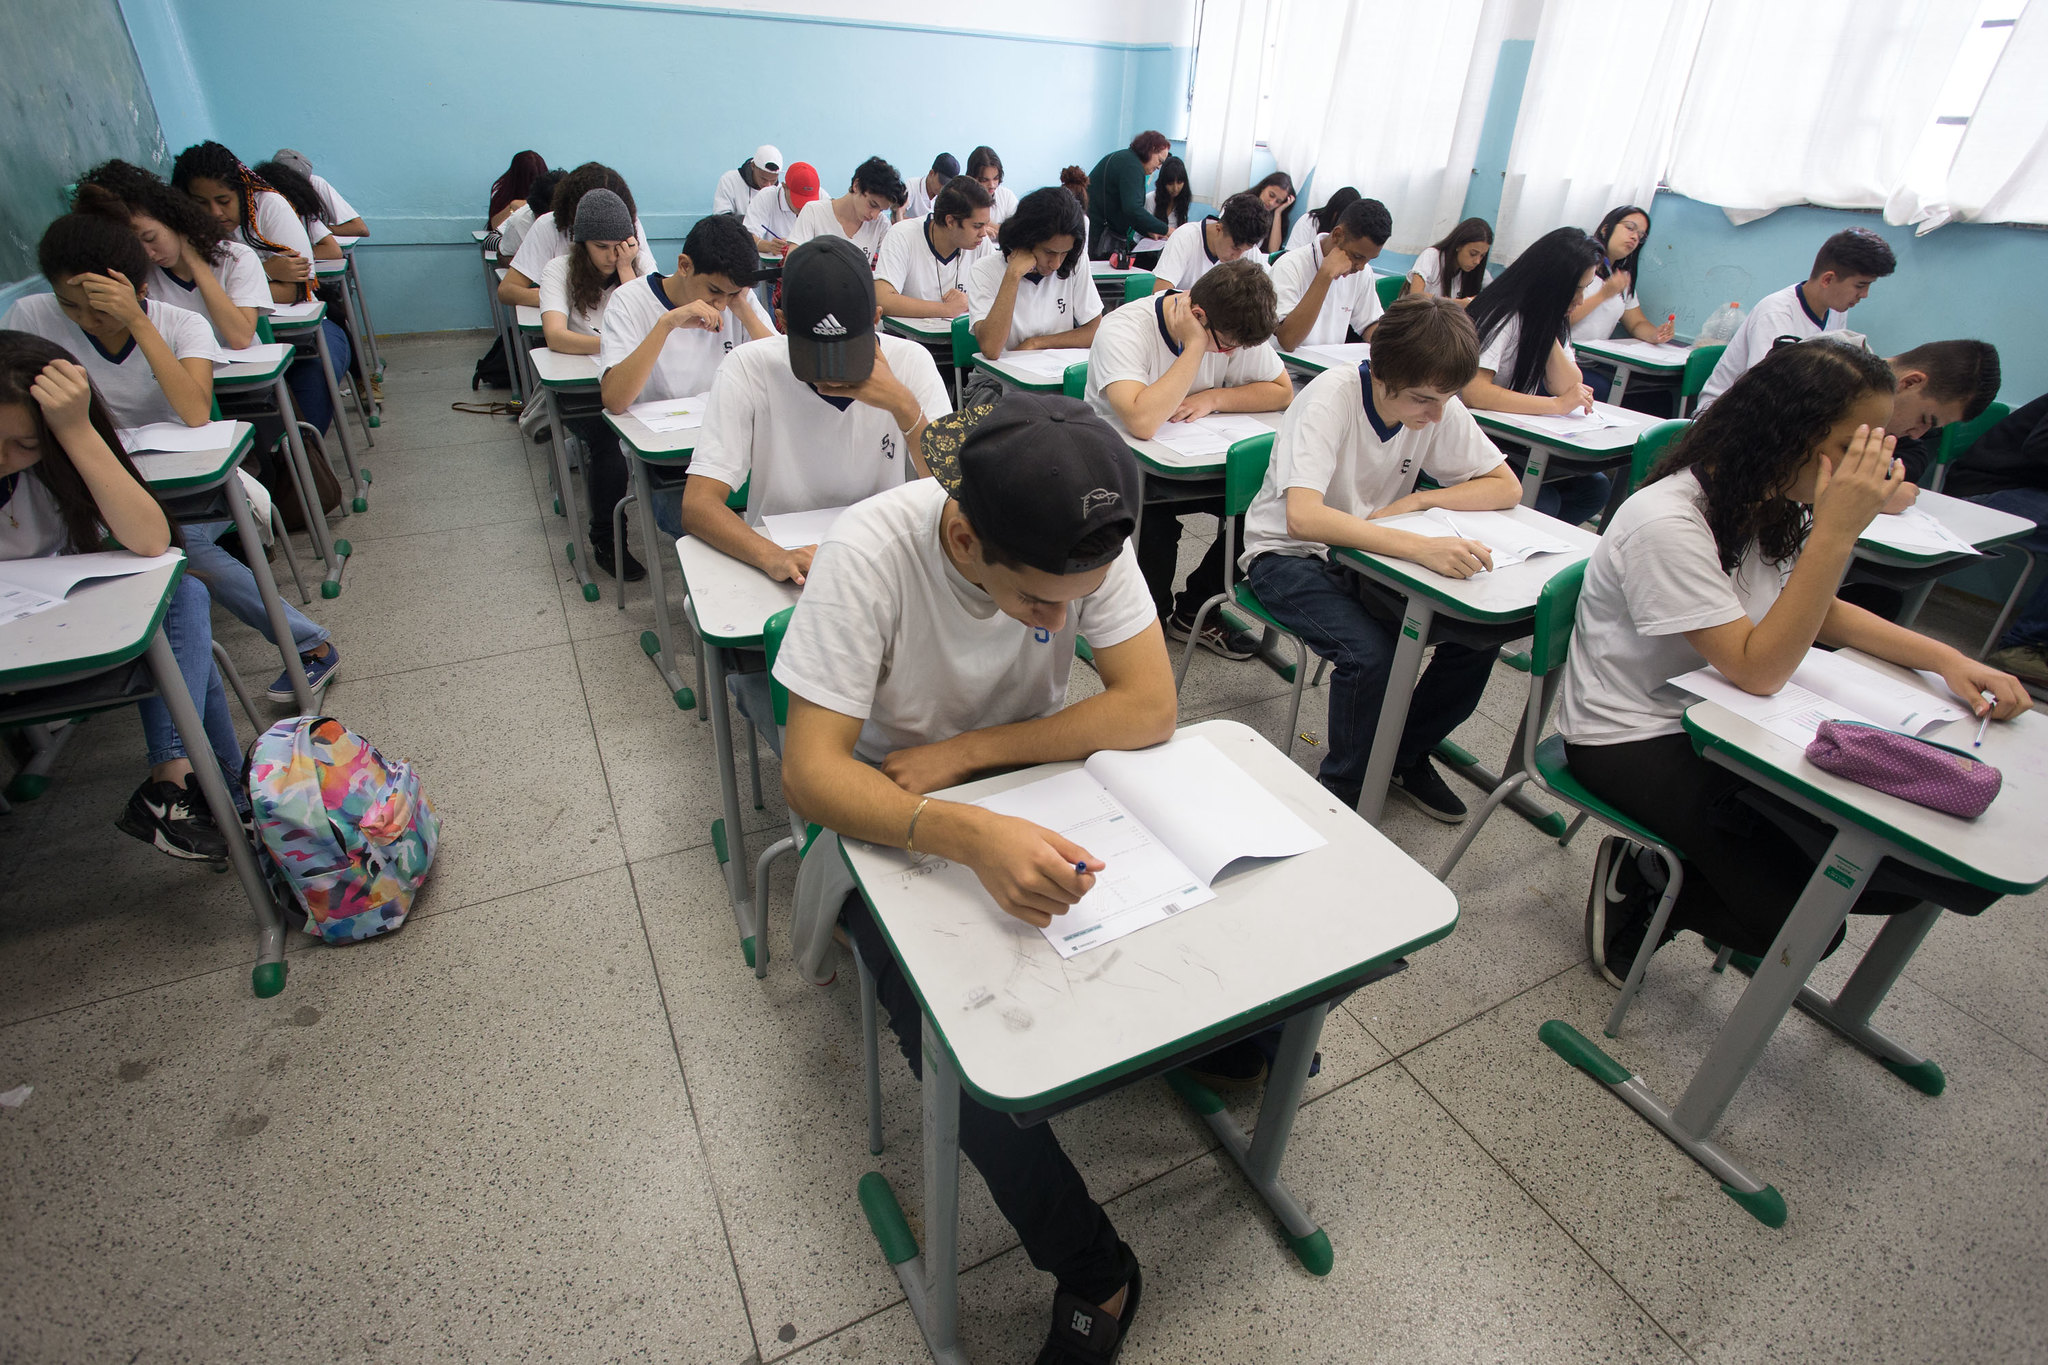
x=556, y=1118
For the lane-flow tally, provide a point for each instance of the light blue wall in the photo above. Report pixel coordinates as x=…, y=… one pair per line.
x=415, y=106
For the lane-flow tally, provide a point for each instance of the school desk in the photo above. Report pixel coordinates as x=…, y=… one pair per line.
x=569, y=385
x=359, y=307
x=310, y=328
x=656, y=457
x=1005, y=368
x=1632, y=356
x=268, y=373
x=1915, y=571
x=1585, y=453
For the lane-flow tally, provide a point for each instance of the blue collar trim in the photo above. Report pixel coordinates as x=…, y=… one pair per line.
x=1799, y=292
x=1372, y=414
x=112, y=358
x=929, y=223
x=1159, y=316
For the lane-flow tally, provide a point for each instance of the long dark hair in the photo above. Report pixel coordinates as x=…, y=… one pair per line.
x=141, y=191
x=23, y=356
x=1041, y=214
x=1469, y=282
x=296, y=189
x=1632, y=262
x=512, y=184
x=1538, y=289
x=98, y=241
x=1174, y=171
x=1333, y=208
x=586, y=285
x=211, y=161
x=1285, y=182
x=1748, y=446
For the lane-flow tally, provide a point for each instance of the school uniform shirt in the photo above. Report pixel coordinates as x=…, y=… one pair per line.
x=818, y=220
x=512, y=232
x=1186, y=258
x=913, y=266
x=278, y=225
x=769, y=213
x=544, y=241
x=920, y=201
x=1654, y=576
x=1501, y=354
x=733, y=194
x=241, y=277
x=1599, y=324
x=1350, y=303
x=1045, y=305
x=126, y=383
x=1005, y=204
x=1783, y=314
x=1174, y=221
x=1133, y=343
x=1333, y=440
x=690, y=356
x=336, y=208
x=1430, y=265
x=31, y=526
x=887, y=630
x=1304, y=231
x=803, y=450
x=554, y=298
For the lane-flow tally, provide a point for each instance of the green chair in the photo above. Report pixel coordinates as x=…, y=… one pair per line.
x=1244, y=473
x=965, y=348
x=1389, y=288
x=1137, y=287
x=1543, y=761
x=1699, y=365
x=1958, y=437
x=1074, y=383
x=1651, y=443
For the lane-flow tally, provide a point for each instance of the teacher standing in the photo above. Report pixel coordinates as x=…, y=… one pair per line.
x=1116, y=195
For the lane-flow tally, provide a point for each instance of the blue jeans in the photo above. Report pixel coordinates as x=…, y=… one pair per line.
x=190, y=630
x=309, y=387
x=1574, y=498
x=2029, y=625
x=1325, y=605
x=1601, y=382
x=232, y=585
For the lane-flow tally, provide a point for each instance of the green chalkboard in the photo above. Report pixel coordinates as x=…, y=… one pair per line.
x=71, y=95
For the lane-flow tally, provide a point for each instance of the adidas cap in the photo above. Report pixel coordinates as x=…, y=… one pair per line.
x=828, y=308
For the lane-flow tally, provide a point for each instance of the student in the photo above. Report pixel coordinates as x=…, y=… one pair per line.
x=64, y=480
x=1610, y=296
x=1730, y=556
x=1348, y=455
x=861, y=215
x=1316, y=222
x=540, y=198
x=823, y=416
x=1324, y=291
x=150, y=362
x=923, y=266
x=772, y=215
x=507, y=188
x=737, y=187
x=1117, y=215
x=1034, y=291
x=984, y=165
x=305, y=201
x=1276, y=192
x=1466, y=248
x=1170, y=199
x=551, y=235
x=1195, y=249
x=1938, y=383
x=2007, y=468
x=192, y=261
x=1177, y=357
x=666, y=340
x=1844, y=268
x=337, y=212
x=1523, y=363
x=984, y=576
x=945, y=167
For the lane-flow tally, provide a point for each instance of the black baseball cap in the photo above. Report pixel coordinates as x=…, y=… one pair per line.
x=828, y=305
x=1037, y=474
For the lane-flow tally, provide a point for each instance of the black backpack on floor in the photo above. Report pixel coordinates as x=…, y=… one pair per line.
x=492, y=371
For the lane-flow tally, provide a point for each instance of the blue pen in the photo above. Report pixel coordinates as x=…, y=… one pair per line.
x=1984, y=724
x=1083, y=867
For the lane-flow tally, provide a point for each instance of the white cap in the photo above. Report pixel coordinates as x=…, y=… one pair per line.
x=768, y=158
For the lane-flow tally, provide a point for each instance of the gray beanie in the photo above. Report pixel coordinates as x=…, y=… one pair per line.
x=601, y=217
x=295, y=160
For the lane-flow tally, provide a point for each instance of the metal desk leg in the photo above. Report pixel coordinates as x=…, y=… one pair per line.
x=727, y=837
x=266, y=588
x=1401, y=676
x=1620, y=388
x=1532, y=475
x=1916, y=598
x=333, y=553
x=359, y=490
x=1849, y=1012
x=362, y=310
x=291, y=558
x=572, y=503
x=1520, y=802
x=363, y=409
x=660, y=648
x=268, y=977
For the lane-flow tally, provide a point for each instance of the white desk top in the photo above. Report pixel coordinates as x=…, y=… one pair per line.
x=563, y=371
x=527, y=316
x=1163, y=460
x=732, y=600
x=305, y=317
x=926, y=329
x=324, y=268
x=98, y=625
x=1276, y=932
x=345, y=242
x=1347, y=353
x=1005, y=368
x=1606, y=441
x=499, y=271
x=1652, y=357
x=2002, y=848
x=478, y=234
x=247, y=374
x=1497, y=595
x=178, y=471
x=660, y=446
x=1103, y=271
x=1981, y=526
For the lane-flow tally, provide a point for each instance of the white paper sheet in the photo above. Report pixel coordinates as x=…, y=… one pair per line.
x=672, y=414
x=1917, y=531
x=794, y=530
x=1567, y=423
x=1825, y=687
x=296, y=312
x=1337, y=357
x=1208, y=810
x=1048, y=366
x=1211, y=435
x=28, y=586
x=1511, y=541
x=177, y=436
x=1654, y=352
x=265, y=353
x=16, y=603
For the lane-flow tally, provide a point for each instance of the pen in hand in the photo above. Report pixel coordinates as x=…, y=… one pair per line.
x=1985, y=723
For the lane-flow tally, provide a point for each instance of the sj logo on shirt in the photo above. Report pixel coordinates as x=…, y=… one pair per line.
x=1041, y=634
x=888, y=447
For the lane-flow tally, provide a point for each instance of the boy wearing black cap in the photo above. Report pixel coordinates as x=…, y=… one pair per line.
x=933, y=643
x=926, y=187
x=823, y=416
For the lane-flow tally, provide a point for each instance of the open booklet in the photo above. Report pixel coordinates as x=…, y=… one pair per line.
x=1211, y=435
x=794, y=530
x=1635, y=348
x=1916, y=531
x=672, y=414
x=1164, y=821
x=1825, y=687
x=28, y=586
x=176, y=436
x=1048, y=366
x=1511, y=541
x=1579, y=423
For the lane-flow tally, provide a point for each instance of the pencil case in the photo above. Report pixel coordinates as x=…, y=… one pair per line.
x=1912, y=769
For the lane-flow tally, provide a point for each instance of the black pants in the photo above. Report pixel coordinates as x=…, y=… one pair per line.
x=1159, y=557
x=604, y=478
x=1064, y=1231
x=1747, y=853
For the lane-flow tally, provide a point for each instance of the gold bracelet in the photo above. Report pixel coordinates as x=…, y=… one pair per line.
x=910, y=835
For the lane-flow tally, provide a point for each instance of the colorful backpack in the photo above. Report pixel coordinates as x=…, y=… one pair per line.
x=346, y=830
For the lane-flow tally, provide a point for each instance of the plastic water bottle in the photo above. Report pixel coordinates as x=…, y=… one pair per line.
x=1722, y=326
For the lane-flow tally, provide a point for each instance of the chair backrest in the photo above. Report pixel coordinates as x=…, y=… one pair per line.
x=1074, y=383
x=1137, y=287
x=737, y=499
x=1651, y=443
x=1958, y=437
x=1699, y=365
x=771, y=644
x=1389, y=288
x=1556, y=607
x=263, y=329
x=965, y=346
x=1244, y=472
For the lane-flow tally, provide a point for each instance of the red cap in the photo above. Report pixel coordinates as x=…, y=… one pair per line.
x=801, y=180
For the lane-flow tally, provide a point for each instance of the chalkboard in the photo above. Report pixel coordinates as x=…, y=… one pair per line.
x=71, y=95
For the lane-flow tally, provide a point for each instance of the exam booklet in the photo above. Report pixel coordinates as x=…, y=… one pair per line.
x=28, y=586
x=1826, y=687
x=1165, y=822
x=1509, y=540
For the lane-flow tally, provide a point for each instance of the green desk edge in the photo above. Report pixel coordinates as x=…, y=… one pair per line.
x=219, y=475
x=1430, y=590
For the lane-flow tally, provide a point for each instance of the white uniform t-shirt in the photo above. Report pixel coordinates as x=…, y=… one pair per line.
x=818, y=220
x=1185, y=257
x=1501, y=354
x=1044, y=307
x=733, y=194
x=690, y=356
x=241, y=278
x=332, y=205
x=1783, y=314
x=1599, y=324
x=544, y=241
x=1005, y=204
x=1174, y=221
x=31, y=527
x=278, y=225
x=769, y=213
x=801, y=450
x=1333, y=441
x=512, y=231
x=915, y=270
x=554, y=298
x=127, y=384
x=1430, y=266
x=920, y=201
x=1133, y=343
x=889, y=631
x=1654, y=576
x=1349, y=303
x=1303, y=232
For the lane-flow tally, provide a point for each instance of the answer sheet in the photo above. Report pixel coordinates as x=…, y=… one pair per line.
x=176, y=436
x=794, y=530
x=1916, y=531
x=671, y=414
x=1211, y=435
x=1511, y=541
x=1046, y=367
x=1825, y=687
x=28, y=586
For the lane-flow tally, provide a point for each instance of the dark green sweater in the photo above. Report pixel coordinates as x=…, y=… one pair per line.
x=1116, y=197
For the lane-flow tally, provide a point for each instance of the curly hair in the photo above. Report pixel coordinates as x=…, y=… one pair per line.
x=1041, y=215
x=142, y=192
x=1245, y=218
x=296, y=189
x=212, y=161
x=1747, y=452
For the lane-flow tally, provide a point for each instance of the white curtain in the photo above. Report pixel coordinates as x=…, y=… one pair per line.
x=1999, y=171
x=1821, y=101
x=1597, y=116
x=1230, y=46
